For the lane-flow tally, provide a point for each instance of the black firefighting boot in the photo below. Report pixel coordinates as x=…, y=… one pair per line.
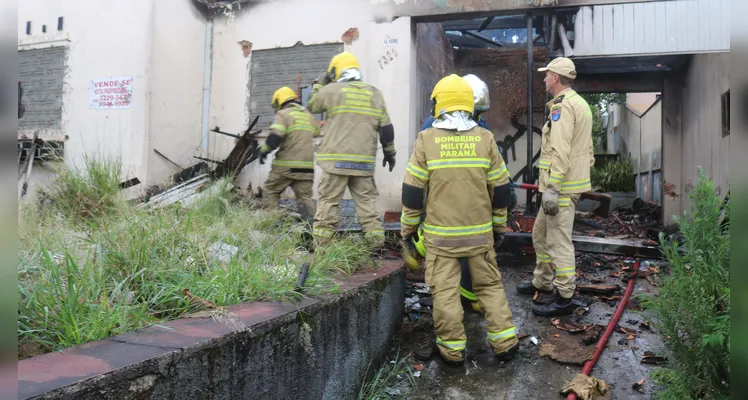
x=559, y=307
x=449, y=361
x=508, y=354
x=526, y=287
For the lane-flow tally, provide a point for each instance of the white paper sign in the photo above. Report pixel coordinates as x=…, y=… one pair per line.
x=111, y=93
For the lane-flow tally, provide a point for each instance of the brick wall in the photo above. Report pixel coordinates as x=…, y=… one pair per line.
x=41, y=72
x=274, y=68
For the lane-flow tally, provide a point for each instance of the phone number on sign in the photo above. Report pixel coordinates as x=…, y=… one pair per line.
x=104, y=97
x=113, y=103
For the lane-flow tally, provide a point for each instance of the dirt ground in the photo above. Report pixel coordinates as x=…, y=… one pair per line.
x=532, y=375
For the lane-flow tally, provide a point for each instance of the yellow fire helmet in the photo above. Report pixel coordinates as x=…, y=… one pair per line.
x=282, y=95
x=341, y=62
x=452, y=93
x=414, y=251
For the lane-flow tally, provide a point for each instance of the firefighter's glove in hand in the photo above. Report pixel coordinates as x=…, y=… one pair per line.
x=323, y=80
x=498, y=239
x=263, y=156
x=413, y=235
x=550, y=201
x=389, y=158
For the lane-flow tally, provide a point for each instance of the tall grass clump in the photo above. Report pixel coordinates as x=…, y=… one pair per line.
x=128, y=266
x=88, y=192
x=693, y=303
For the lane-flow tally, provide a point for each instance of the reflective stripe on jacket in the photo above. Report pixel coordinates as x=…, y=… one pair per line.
x=566, y=153
x=295, y=156
x=355, y=114
x=458, y=171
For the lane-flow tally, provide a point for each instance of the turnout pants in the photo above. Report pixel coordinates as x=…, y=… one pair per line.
x=364, y=192
x=551, y=237
x=277, y=183
x=443, y=278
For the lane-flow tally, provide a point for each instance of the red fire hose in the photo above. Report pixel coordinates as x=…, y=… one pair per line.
x=611, y=326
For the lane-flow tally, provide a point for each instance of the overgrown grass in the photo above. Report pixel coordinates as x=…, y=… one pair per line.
x=381, y=385
x=614, y=176
x=694, y=302
x=108, y=266
x=90, y=192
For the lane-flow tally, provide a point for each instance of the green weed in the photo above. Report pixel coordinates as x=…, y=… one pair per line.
x=90, y=192
x=99, y=271
x=693, y=303
x=614, y=176
x=378, y=384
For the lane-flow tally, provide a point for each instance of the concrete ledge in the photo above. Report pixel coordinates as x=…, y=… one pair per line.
x=316, y=349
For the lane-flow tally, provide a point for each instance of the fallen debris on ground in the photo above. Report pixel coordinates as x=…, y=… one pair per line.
x=652, y=358
x=587, y=388
x=563, y=347
x=606, y=290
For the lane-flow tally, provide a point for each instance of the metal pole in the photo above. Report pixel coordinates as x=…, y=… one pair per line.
x=207, y=71
x=529, y=209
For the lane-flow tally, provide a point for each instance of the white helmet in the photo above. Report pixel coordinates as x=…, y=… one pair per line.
x=480, y=92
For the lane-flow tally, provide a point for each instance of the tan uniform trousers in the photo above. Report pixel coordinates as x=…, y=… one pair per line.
x=551, y=237
x=364, y=192
x=277, y=183
x=443, y=278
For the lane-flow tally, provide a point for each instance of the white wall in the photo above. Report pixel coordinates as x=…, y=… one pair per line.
x=703, y=144
x=639, y=135
x=314, y=22
x=176, y=75
x=105, y=39
x=159, y=43
x=658, y=27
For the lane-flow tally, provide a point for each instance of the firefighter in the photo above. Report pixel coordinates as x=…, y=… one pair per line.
x=481, y=99
x=356, y=117
x=456, y=167
x=482, y=103
x=291, y=133
x=566, y=157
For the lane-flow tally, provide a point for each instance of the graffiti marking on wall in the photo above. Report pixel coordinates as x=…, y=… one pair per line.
x=388, y=57
x=508, y=147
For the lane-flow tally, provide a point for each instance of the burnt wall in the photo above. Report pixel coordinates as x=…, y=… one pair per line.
x=505, y=73
x=435, y=60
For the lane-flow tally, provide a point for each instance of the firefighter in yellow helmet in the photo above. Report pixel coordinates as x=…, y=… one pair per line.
x=291, y=133
x=457, y=174
x=356, y=118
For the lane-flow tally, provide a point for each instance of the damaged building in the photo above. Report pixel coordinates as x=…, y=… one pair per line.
x=149, y=81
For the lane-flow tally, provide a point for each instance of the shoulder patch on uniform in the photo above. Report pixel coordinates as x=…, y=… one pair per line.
x=556, y=114
x=559, y=99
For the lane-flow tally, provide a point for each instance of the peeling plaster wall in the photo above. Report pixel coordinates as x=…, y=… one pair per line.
x=103, y=39
x=283, y=24
x=159, y=44
x=435, y=60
